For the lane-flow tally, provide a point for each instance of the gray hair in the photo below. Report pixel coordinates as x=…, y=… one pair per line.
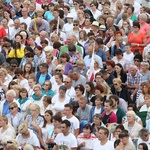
x=143, y=132
x=63, y=88
x=12, y=92
x=133, y=67
x=143, y=16
x=132, y=113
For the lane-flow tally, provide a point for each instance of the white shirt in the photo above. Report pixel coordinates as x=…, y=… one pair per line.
x=71, y=92
x=38, y=41
x=96, y=14
x=67, y=28
x=97, y=145
x=146, y=142
x=25, y=20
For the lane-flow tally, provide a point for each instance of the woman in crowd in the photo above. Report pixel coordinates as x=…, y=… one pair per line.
x=142, y=146
x=145, y=71
x=119, y=90
x=132, y=126
x=15, y=118
x=81, y=18
x=28, y=70
x=59, y=82
x=64, y=59
x=48, y=15
x=89, y=93
x=34, y=119
x=25, y=37
x=119, y=73
x=136, y=38
x=32, y=43
x=108, y=115
x=47, y=105
x=79, y=91
x=47, y=126
x=51, y=64
x=20, y=79
x=60, y=99
x=47, y=89
x=110, y=65
x=7, y=15
x=145, y=90
x=130, y=13
x=24, y=101
x=98, y=108
x=86, y=138
x=5, y=129
x=132, y=107
x=87, y=26
x=37, y=97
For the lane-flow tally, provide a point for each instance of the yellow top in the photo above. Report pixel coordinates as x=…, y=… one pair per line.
x=19, y=53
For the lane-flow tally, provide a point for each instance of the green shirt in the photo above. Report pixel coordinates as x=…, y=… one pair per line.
x=64, y=49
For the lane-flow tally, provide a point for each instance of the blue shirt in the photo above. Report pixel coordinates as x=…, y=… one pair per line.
x=102, y=54
x=42, y=79
x=48, y=15
x=87, y=60
x=5, y=108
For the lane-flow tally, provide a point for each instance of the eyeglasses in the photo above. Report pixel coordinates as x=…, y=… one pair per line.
x=66, y=82
x=13, y=66
x=17, y=75
x=11, y=108
x=137, y=60
x=106, y=13
x=115, y=84
x=58, y=70
x=46, y=84
x=29, y=56
x=75, y=24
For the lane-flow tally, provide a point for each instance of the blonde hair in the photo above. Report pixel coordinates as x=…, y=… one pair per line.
x=14, y=104
x=12, y=146
x=96, y=61
x=4, y=71
x=22, y=128
x=145, y=64
x=4, y=118
x=32, y=37
x=80, y=61
x=16, y=87
x=37, y=86
x=118, y=80
x=12, y=92
x=35, y=107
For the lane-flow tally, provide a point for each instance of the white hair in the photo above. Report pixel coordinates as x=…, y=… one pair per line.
x=5, y=139
x=12, y=92
x=28, y=147
x=132, y=113
x=133, y=67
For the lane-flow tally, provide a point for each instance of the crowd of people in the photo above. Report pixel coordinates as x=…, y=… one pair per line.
x=74, y=75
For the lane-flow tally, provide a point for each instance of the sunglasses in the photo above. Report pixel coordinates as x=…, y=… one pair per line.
x=11, y=108
x=58, y=70
x=137, y=60
x=106, y=13
x=29, y=56
x=75, y=24
x=66, y=82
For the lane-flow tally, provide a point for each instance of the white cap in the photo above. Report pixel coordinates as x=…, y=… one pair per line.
x=69, y=15
x=48, y=49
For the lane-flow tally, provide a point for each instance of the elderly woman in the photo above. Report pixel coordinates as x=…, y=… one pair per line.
x=5, y=129
x=37, y=97
x=145, y=71
x=4, y=105
x=14, y=117
x=24, y=101
x=34, y=119
x=145, y=90
x=132, y=126
x=85, y=139
x=20, y=79
x=60, y=99
x=136, y=38
x=64, y=58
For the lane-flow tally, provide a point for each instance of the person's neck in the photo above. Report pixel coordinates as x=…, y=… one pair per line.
x=59, y=83
x=118, y=89
x=49, y=122
x=108, y=112
x=45, y=106
x=39, y=95
x=14, y=114
x=68, y=87
x=64, y=63
x=5, y=127
x=115, y=107
x=43, y=73
x=66, y=134
x=69, y=116
x=104, y=141
x=83, y=108
x=136, y=32
x=98, y=106
x=79, y=96
x=145, y=71
x=131, y=123
x=25, y=17
x=88, y=26
x=35, y=117
x=94, y=10
x=128, y=52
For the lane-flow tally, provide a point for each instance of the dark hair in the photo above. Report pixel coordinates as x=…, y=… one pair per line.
x=11, y=83
x=23, y=90
x=59, y=75
x=65, y=55
x=133, y=106
x=111, y=63
x=145, y=147
x=115, y=97
x=44, y=42
x=106, y=131
x=71, y=48
x=136, y=24
x=57, y=117
x=8, y=11
x=95, y=4
x=18, y=71
x=99, y=41
x=57, y=45
x=123, y=134
x=39, y=48
x=16, y=46
x=88, y=126
x=80, y=87
x=14, y=61
x=116, y=143
x=66, y=122
x=67, y=7
x=29, y=54
x=131, y=7
x=29, y=49
x=51, y=114
x=118, y=52
x=24, y=71
x=19, y=35
x=75, y=105
x=69, y=106
x=25, y=25
x=110, y=102
x=99, y=87
x=45, y=65
x=91, y=85
x=49, y=84
x=99, y=97
x=121, y=72
x=120, y=126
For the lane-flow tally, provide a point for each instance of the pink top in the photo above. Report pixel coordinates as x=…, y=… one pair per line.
x=40, y=1
x=144, y=28
x=112, y=117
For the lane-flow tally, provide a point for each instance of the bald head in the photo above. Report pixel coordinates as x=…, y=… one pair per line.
x=38, y=21
x=70, y=39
